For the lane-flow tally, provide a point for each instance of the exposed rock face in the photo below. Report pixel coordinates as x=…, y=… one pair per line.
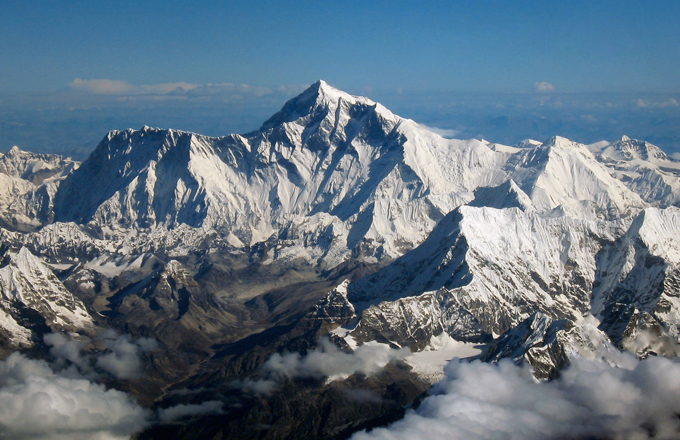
x=547, y=344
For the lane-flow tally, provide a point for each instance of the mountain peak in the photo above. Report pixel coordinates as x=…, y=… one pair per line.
x=629, y=149
x=319, y=97
x=322, y=86
x=559, y=142
x=323, y=94
x=14, y=151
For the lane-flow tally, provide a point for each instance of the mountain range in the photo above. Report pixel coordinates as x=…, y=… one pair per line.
x=335, y=229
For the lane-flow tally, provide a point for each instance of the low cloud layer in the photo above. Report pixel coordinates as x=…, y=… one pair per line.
x=120, y=356
x=326, y=361
x=66, y=399
x=36, y=402
x=122, y=359
x=178, y=89
x=616, y=398
x=180, y=411
x=656, y=103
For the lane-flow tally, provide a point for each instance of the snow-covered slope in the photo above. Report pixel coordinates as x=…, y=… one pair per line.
x=638, y=281
x=481, y=272
x=28, y=182
x=565, y=177
x=644, y=168
x=29, y=291
x=331, y=176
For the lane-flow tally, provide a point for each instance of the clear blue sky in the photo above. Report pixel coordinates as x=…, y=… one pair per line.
x=71, y=70
x=499, y=46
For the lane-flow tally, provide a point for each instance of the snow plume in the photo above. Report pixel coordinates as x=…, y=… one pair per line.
x=326, y=361
x=446, y=133
x=616, y=398
x=36, y=403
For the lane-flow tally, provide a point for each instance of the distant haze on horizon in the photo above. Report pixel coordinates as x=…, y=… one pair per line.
x=72, y=70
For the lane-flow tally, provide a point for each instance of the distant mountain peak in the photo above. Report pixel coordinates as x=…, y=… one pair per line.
x=559, y=142
x=15, y=150
x=630, y=149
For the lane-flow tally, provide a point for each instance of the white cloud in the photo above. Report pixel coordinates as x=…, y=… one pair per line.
x=616, y=398
x=326, y=361
x=123, y=357
x=179, y=411
x=65, y=350
x=101, y=86
x=117, y=355
x=117, y=87
x=543, y=87
x=36, y=402
x=177, y=90
x=650, y=103
x=329, y=361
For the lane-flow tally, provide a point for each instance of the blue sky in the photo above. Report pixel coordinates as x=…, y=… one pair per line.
x=501, y=46
x=116, y=63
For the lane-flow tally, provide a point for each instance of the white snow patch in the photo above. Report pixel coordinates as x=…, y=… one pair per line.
x=429, y=364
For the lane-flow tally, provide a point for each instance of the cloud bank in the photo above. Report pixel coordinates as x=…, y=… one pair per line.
x=656, y=103
x=327, y=361
x=616, y=398
x=180, y=411
x=36, y=402
x=177, y=89
x=120, y=356
x=122, y=359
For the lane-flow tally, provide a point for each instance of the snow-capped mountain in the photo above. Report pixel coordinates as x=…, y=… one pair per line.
x=564, y=176
x=28, y=182
x=327, y=159
x=334, y=178
x=331, y=176
x=36, y=168
x=33, y=296
x=644, y=168
x=480, y=273
x=483, y=271
x=337, y=215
